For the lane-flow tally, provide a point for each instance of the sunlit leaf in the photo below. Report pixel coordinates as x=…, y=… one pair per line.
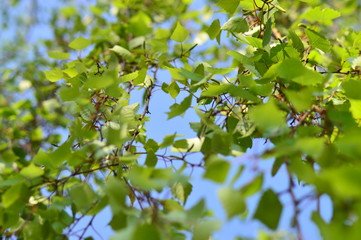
x=214, y=29
x=79, y=43
x=294, y=70
x=179, y=34
x=58, y=55
x=235, y=24
x=321, y=15
x=123, y=52
x=230, y=6
x=32, y=171
x=54, y=75
x=316, y=40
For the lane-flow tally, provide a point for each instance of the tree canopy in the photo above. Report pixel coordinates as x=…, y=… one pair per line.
x=78, y=83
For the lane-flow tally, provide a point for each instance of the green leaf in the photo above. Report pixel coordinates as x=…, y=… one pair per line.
x=140, y=177
x=294, y=70
x=347, y=185
x=179, y=34
x=178, y=109
x=100, y=81
x=116, y=192
x=17, y=195
x=146, y=231
x=151, y=145
x=250, y=5
x=68, y=93
x=121, y=51
x=221, y=143
x=252, y=187
x=237, y=91
x=269, y=119
x=236, y=24
x=128, y=77
x=32, y=171
x=215, y=90
x=168, y=140
x=230, y=6
x=269, y=209
x=296, y=41
x=220, y=71
x=173, y=89
x=301, y=100
x=355, y=109
x=214, y=29
x=352, y=88
x=151, y=159
x=217, y=170
x=140, y=24
x=54, y=75
x=267, y=33
x=58, y=55
x=322, y=15
x=119, y=221
x=204, y=228
x=83, y=197
x=310, y=145
x=79, y=43
x=182, y=191
x=232, y=201
x=191, y=75
x=188, y=145
x=316, y=40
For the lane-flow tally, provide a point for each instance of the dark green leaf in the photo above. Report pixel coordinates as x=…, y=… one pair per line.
x=269, y=209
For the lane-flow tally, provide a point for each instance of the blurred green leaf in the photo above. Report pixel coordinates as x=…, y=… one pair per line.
x=269, y=119
x=32, y=171
x=121, y=51
x=79, y=43
x=217, y=170
x=83, y=197
x=179, y=34
x=232, y=201
x=269, y=209
x=58, y=55
x=54, y=75
x=321, y=15
x=294, y=70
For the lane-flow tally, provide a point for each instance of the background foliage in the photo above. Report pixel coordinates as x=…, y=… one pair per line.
x=74, y=129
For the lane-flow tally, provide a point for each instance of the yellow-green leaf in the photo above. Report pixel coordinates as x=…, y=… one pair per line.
x=79, y=43
x=180, y=33
x=59, y=55
x=32, y=171
x=54, y=75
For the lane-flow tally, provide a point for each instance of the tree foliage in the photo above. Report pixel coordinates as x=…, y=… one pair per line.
x=74, y=129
